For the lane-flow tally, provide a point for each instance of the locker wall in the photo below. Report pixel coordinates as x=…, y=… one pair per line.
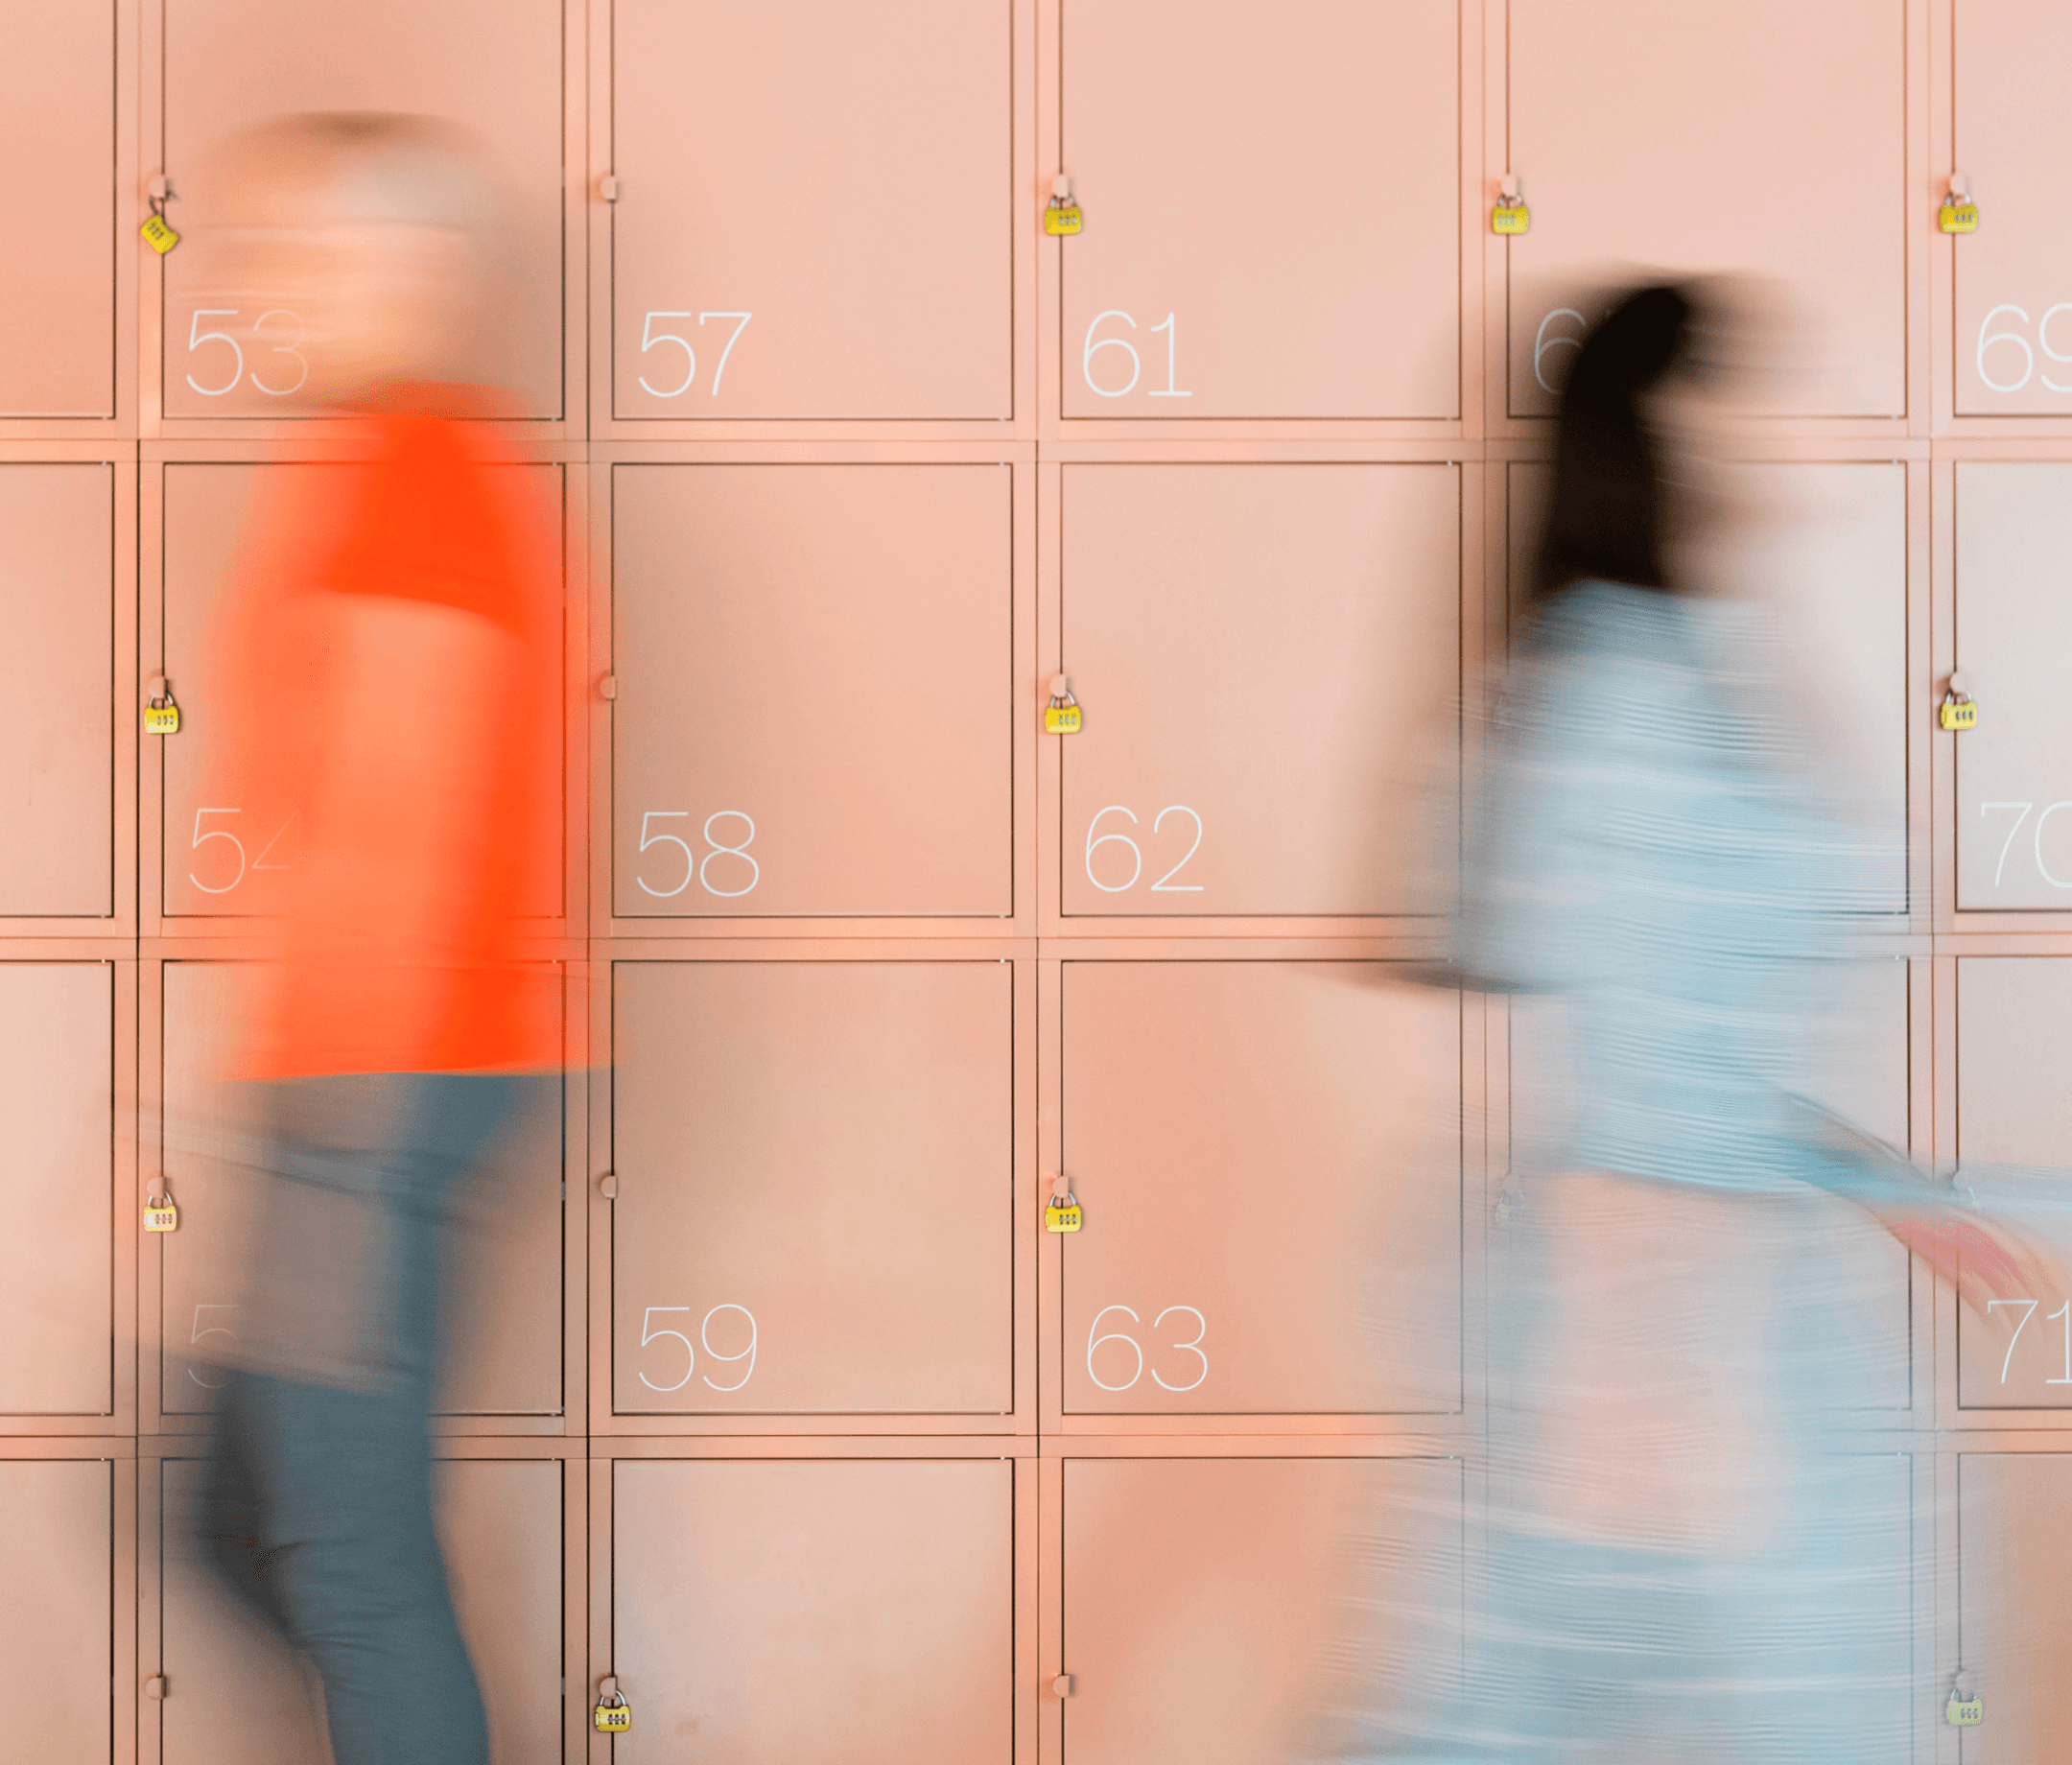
x=853, y=458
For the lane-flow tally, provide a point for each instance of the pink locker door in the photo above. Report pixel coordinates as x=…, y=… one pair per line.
x=57, y=1100
x=57, y=1624
x=223, y=859
x=2013, y=831
x=1203, y=1599
x=58, y=87
x=2014, y=319
x=57, y=688
x=815, y=1612
x=2014, y=1038
x=1766, y=139
x=236, y=1695
x=1271, y=210
x=816, y=1185
x=814, y=691
x=1268, y=1157
x=2014, y=1554
x=1267, y=663
x=493, y=66
x=813, y=210
x=504, y=1288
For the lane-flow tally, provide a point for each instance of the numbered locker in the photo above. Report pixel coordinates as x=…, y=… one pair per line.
x=56, y=690
x=502, y=1285
x=1271, y=210
x=1765, y=141
x=58, y=87
x=1268, y=1159
x=1820, y=549
x=2012, y=1650
x=58, y=1623
x=815, y=1164
x=2013, y=1036
x=837, y=179
x=234, y=348
x=813, y=690
x=1267, y=663
x=236, y=1695
x=2013, y=831
x=218, y=858
x=817, y=1611
x=57, y=1185
x=1215, y=1610
x=2013, y=303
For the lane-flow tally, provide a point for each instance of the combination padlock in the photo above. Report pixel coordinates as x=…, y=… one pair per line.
x=1062, y=1213
x=1061, y=716
x=613, y=1714
x=160, y=1212
x=1510, y=215
x=162, y=716
x=1062, y=219
x=1957, y=711
x=1509, y=1204
x=1965, y=1708
x=1959, y=213
x=157, y=233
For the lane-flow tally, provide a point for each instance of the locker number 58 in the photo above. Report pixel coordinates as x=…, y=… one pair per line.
x=731, y=855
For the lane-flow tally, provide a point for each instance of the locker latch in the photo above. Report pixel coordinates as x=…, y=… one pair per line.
x=157, y=233
x=1957, y=711
x=1960, y=213
x=1510, y=215
x=613, y=1714
x=156, y=1687
x=1965, y=1708
x=1061, y=716
x=1062, y=1213
x=1062, y=218
x=162, y=716
x=160, y=1212
x=1062, y=1685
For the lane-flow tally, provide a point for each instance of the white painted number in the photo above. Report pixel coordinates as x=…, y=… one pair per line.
x=1988, y=337
x=1993, y=1305
x=695, y=866
x=1172, y=339
x=1542, y=344
x=2007, y=845
x=1164, y=885
x=2063, y=1312
x=1191, y=1346
x=202, y=840
x=1093, y=347
x=214, y=1330
x=648, y=1333
x=197, y=336
x=652, y=339
x=283, y=350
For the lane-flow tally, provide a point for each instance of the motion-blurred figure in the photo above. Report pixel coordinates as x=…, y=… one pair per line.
x=390, y=664
x=1687, y=1559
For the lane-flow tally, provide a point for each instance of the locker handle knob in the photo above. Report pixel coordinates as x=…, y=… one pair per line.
x=155, y=1687
x=1060, y=1185
x=1509, y=187
x=608, y=188
x=1061, y=186
x=608, y=685
x=1957, y=685
x=1960, y=186
x=608, y=1186
x=1062, y=1685
x=608, y=1686
x=160, y=187
x=1060, y=684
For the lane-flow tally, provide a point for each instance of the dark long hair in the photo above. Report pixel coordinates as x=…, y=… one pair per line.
x=1606, y=518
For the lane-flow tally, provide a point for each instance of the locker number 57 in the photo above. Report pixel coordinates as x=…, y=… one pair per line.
x=669, y=341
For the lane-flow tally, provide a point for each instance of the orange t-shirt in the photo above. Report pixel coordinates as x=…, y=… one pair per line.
x=392, y=675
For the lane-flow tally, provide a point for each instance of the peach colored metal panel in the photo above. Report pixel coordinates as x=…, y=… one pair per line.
x=2014, y=297
x=57, y=91
x=2014, y=1039
x=1690, y=140
x=813, y=690
x=814, y=1166
x=2014, y=624
x=57, y=688
x=503, y=1354
x=236, y=1695
x=494, y=66
x=817, y=1611
x=1268, y=1159
x=1267, y=660
x=838, y=177
x=1271, y=224
x=1204, y=1597
x=2014, y=1554
x=57, y=1276
x=57, y=1533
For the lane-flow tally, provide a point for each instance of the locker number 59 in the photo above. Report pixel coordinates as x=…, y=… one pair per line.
x=651, y=1334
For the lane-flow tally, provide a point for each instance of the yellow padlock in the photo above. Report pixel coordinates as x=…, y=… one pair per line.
x=613, y=1714
x=1956, y=710
x=162, y=716
x=1959, y=213
x=1510, y=215
x=1963, y=1712
x=157, y=235
x=1062, y=1213
x=160, y=1213
x=1061, y=716
x=1062, y=219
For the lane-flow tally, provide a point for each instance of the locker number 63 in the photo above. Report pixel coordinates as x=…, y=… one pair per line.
x=1095, y=1341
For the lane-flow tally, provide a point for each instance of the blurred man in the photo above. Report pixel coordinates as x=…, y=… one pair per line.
x=389, y=667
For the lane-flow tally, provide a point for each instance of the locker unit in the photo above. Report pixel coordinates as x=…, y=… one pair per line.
x=58, y=1538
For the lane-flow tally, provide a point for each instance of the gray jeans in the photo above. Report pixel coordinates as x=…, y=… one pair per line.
x=317, y=1509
